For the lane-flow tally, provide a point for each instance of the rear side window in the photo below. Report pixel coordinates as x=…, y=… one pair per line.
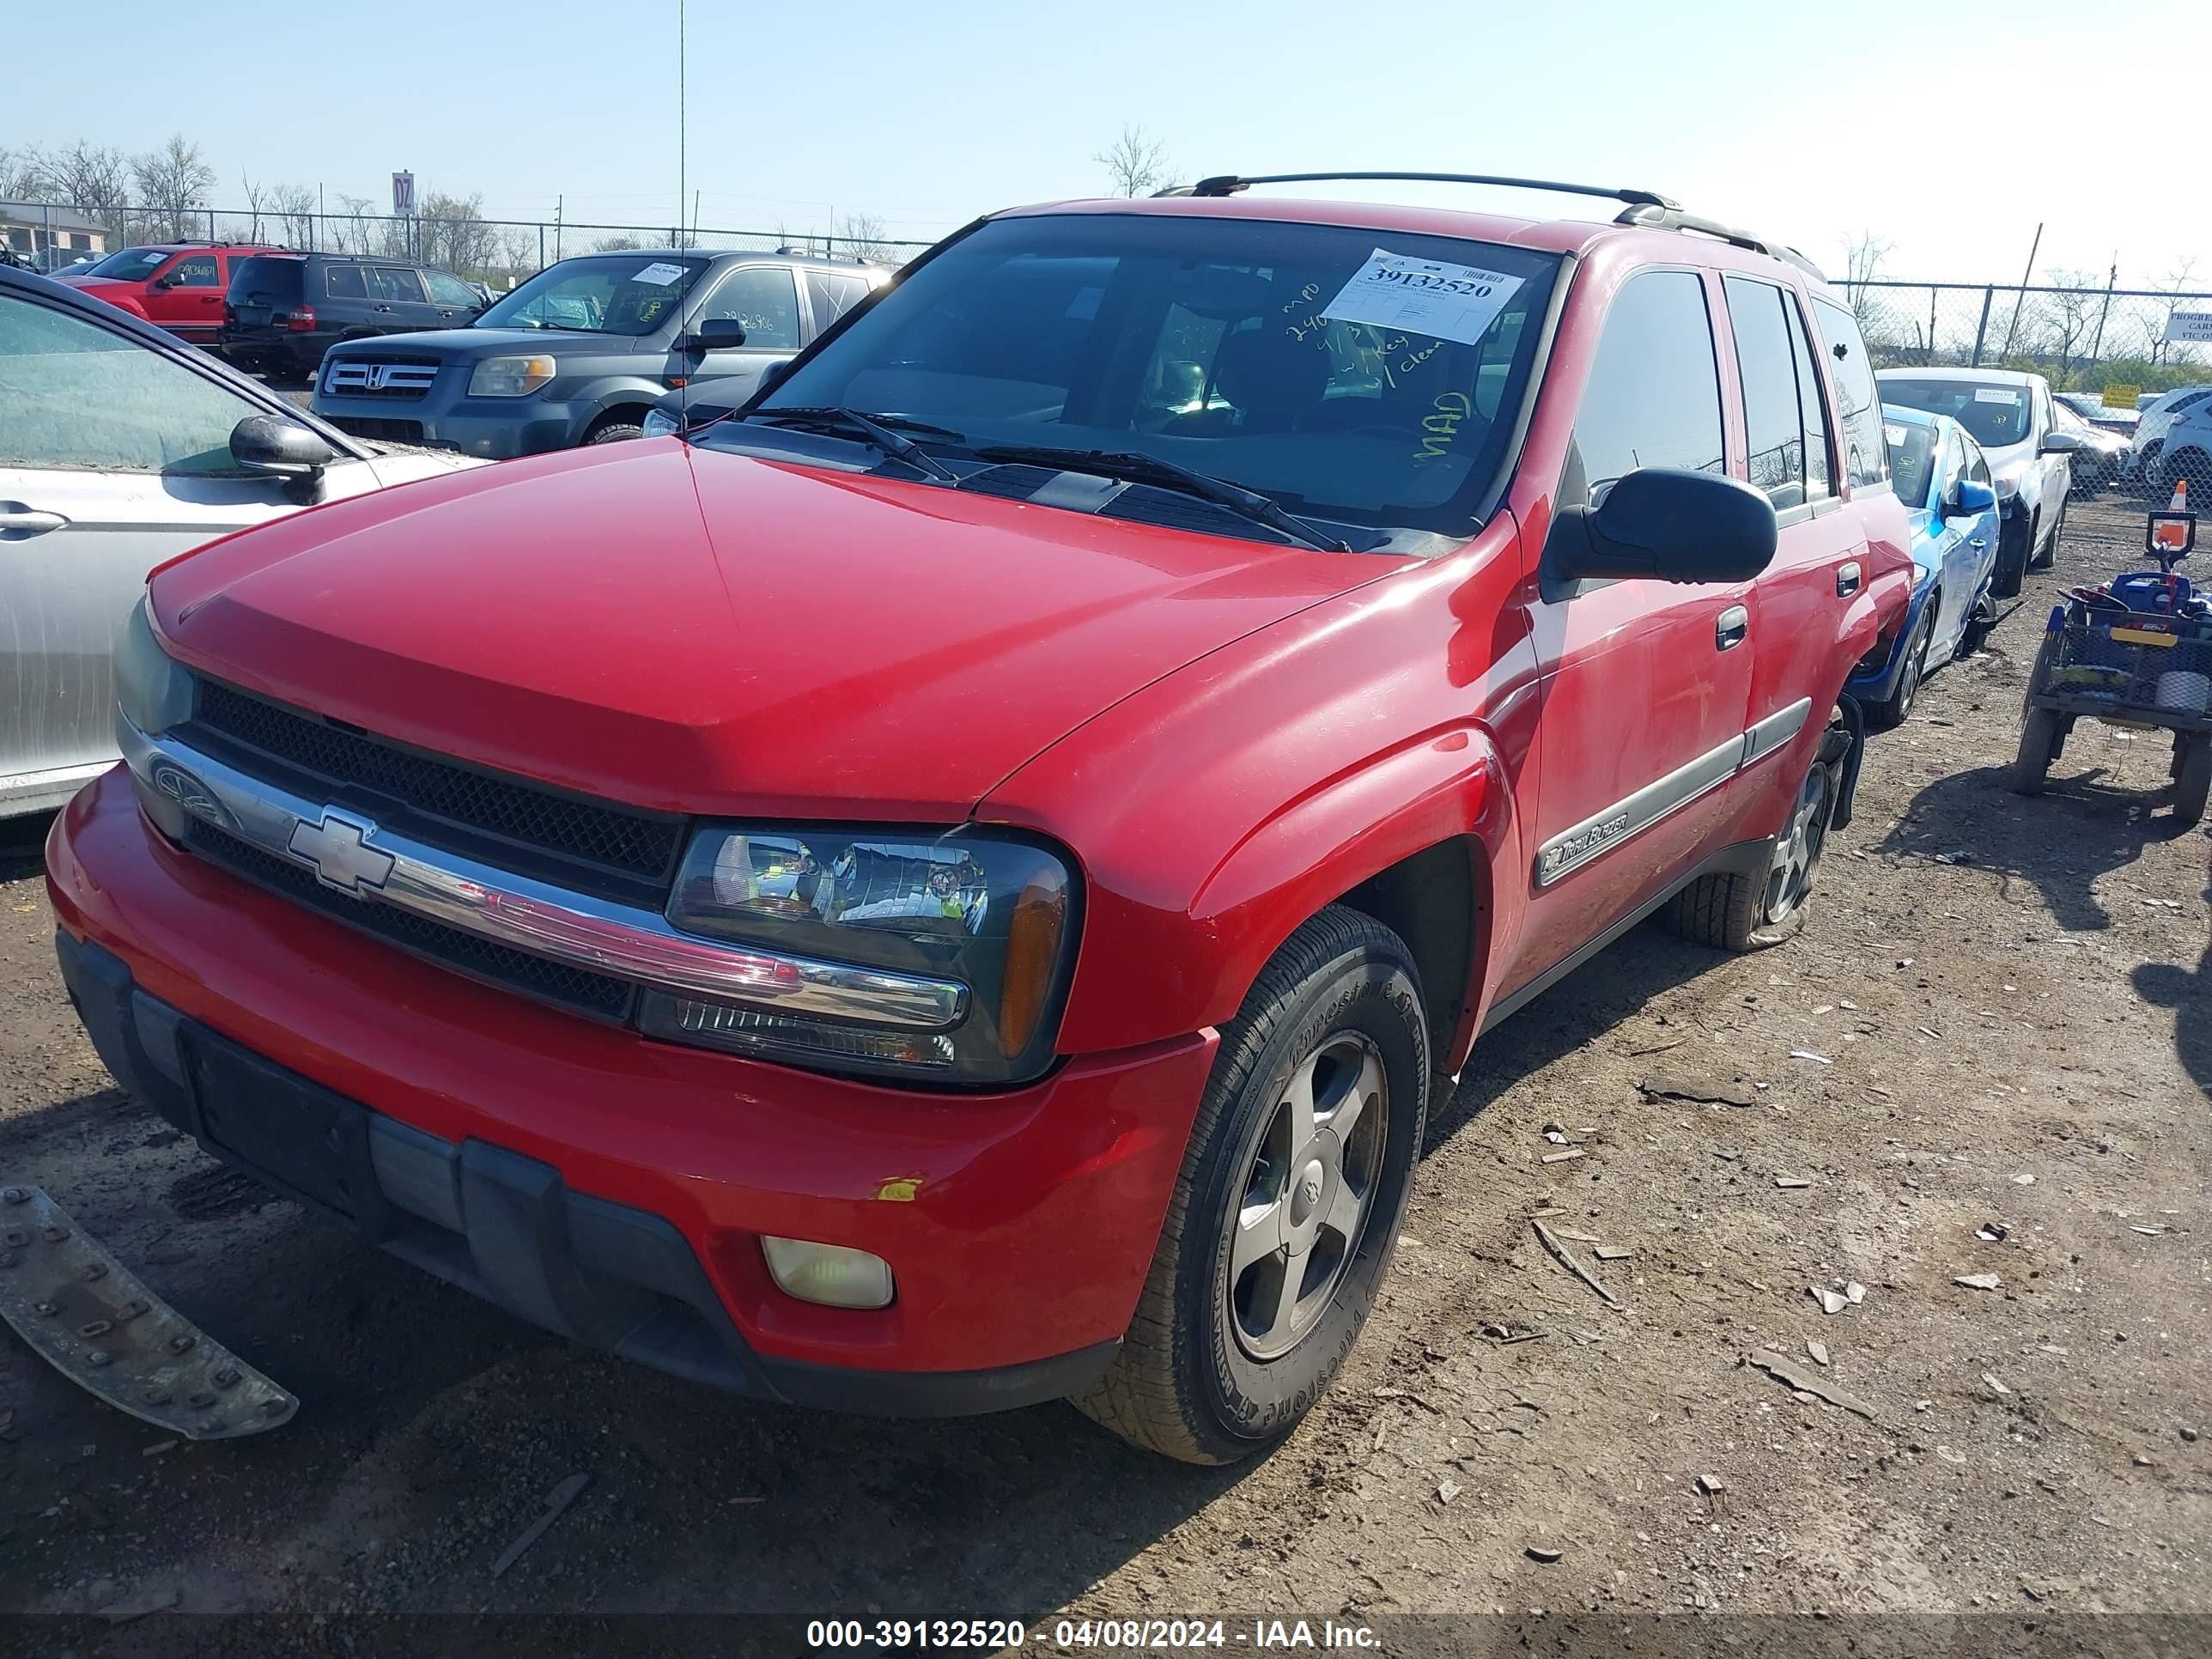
x=1865, y=462
x=1654, y=397
x=1774, y=421
x=832, y=296
x=344, y=283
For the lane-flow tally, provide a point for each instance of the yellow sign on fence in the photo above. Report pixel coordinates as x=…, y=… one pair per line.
x=2122, y=397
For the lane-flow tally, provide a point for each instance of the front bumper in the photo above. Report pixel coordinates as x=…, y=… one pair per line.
x=615, y=1188
x=496, y=428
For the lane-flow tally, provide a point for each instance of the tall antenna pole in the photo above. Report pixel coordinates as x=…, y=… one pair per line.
x=2020, y=304
x=681, y=125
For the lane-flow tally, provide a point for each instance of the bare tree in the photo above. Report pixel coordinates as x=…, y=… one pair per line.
x=2176, y=284
x=254, y=193
x=92, y=177
x=173, y=182
x=20, y=179
x=351, y=233
x=615, y=243
x=292, y=211
x=1136, y=164
x=861, y=235
x=454, y=235
x=2069, y=317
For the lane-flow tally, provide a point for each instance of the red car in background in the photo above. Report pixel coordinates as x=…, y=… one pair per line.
x=178, y=286
x=959, y=884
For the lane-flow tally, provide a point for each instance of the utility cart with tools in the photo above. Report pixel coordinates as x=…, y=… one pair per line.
x=2134, y=652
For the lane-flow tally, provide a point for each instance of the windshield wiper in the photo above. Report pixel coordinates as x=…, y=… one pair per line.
x=1138, y=467
x=876, y=429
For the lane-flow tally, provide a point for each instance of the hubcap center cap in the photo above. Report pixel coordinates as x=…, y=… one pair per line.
x=1305, y=1196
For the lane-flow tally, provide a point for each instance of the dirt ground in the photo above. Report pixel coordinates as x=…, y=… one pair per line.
x=2011, y=1004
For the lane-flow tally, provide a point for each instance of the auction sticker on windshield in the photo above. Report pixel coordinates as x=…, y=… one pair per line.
x=1423, y=296
x=659, y=275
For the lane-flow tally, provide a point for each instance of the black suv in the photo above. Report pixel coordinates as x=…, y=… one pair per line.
x=581, y=352
x=284, y=310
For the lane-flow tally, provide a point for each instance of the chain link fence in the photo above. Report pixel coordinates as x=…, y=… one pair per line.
x=2082, y=339
x=496, y=251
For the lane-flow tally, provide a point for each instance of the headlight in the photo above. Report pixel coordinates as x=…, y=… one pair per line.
x=153, y=692
x=511, y=377
x=996, y=914
x=659, y=425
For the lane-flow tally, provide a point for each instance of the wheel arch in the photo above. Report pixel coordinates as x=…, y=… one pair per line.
x=1410, y=839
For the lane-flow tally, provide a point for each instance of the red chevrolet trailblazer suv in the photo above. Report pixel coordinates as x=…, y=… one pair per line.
x=958, y=883
x=178, y=286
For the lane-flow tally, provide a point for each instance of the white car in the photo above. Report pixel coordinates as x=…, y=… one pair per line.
x=2158, y=416
x=2011, y=415
x=2186, y=454
x=121, y=448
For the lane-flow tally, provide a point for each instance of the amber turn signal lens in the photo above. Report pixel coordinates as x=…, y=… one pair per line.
x=1032, y=953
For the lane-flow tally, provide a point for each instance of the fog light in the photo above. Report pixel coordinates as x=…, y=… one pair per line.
x=830, y=1275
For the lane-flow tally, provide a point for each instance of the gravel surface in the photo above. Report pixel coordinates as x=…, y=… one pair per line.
x=2011, y=1003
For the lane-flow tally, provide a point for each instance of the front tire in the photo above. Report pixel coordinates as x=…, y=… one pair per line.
x=2049, y=555
x=615, y=432
x=1891, y=711
x=1285, y=1214
x=2015, y=539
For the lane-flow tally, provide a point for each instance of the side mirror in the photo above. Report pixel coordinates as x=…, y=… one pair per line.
x=714, y=334
x=1969, y=499
x=1666, y=523
x=2056, y=442
x=278, y=448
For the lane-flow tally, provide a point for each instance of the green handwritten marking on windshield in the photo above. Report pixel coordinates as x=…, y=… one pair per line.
x=1451, y=408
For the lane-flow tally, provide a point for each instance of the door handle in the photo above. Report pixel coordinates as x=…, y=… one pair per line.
x=19, y=520
x=1847, y=579
x=1730, y=628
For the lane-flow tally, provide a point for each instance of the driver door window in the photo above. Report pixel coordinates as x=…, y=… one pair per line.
x=74, y=395
x=763, y=301
x=194, y=271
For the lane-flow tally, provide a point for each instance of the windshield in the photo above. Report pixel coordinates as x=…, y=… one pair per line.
x=1363, y=376
x=130, y=262
x=1912, y=459
x=605, y=294
x=1997, y=414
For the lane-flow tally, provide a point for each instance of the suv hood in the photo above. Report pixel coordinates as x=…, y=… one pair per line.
x=702, y=632
x=468, y=344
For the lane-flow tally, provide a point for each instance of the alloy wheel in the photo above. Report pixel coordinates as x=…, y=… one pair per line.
x=1306, y=1192
x=1797, y=854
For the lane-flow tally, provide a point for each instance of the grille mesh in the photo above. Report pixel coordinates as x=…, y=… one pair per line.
x=633, y=843
x=597, y=995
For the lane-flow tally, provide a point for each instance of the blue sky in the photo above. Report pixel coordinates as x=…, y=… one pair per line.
x=1949, y=131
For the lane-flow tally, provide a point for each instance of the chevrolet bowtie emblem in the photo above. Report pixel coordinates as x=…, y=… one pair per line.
x=337, y=847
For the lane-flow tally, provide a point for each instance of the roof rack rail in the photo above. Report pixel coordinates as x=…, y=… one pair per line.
x=1673, y=218
x=1646, y=208
x=1230, y=184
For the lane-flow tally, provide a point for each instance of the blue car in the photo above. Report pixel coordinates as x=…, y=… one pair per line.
x=1939, y=473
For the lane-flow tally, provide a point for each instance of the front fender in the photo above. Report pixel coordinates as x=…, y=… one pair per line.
x=595, y=397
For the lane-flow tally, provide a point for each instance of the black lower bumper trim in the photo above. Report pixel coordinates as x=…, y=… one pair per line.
x=490, y=1220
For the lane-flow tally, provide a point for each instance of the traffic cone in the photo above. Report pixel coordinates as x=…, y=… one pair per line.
x=2180, y=501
